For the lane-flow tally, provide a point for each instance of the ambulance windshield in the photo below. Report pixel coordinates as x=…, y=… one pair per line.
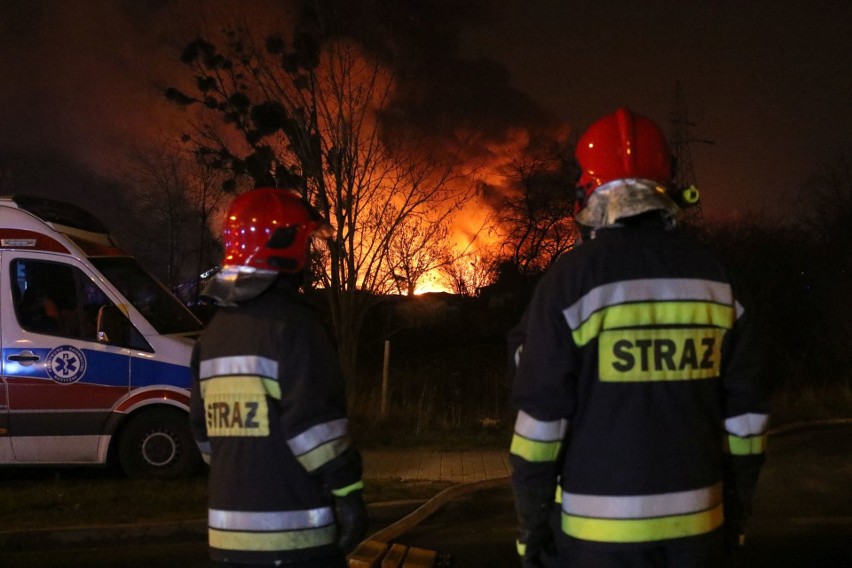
x=153, y=300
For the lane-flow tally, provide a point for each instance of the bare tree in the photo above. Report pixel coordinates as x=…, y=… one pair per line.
x=826, y=202
x=178, y=198
x=537, y=216
x=306, y=114
x=418, y=247
x=468, y=274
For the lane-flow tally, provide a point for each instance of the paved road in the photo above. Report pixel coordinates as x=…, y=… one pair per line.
x=458, y=467
x=478, y=530
x=802, y=518
x=802, y=515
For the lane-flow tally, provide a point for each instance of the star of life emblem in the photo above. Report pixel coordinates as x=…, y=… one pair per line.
x=65, y=364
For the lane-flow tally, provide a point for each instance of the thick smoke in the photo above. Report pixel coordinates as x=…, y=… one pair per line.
x=83, y=83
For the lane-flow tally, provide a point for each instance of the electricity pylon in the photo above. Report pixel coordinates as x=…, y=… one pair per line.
x=684, y=174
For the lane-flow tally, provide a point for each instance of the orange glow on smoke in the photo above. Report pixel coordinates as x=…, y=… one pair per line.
x=482, y=163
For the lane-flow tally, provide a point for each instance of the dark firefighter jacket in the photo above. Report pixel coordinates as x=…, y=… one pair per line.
x=638, y=388
x=268, y=412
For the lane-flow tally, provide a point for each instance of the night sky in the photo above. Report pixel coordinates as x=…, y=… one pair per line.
x=768, y=82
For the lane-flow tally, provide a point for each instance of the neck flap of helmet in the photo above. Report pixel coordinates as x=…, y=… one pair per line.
x=624, y=198
x=235, y=284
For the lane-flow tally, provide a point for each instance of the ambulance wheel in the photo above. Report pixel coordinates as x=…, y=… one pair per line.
x=158, y=443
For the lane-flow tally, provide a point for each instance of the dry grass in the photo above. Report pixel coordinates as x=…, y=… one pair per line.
x=40, y=498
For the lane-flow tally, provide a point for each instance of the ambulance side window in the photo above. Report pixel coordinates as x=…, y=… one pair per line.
x=59, y=299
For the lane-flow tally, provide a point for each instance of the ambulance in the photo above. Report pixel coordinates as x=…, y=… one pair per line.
x=95, y=351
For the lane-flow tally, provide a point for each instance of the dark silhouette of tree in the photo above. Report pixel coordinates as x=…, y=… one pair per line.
x=304, y=112
x=824, y=217
x=469, y=274
x=177, y=198
x=537, y=217
x=417, y=248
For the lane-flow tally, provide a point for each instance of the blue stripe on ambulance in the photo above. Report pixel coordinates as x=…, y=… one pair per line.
x=148, y=372
x=102, y=368
x=105, y=368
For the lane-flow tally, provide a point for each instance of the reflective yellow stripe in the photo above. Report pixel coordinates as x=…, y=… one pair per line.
x=242, y=384
x=534, y=451
x=267, y=541
x=660, y=354
x=654, y=313
x=642, y=530
x=273, y=388
x=323, y=454
x=317, y=435
x=238, y=365
x=649, y=290
x=520, y=547
x=344, y=491
x=749, y=446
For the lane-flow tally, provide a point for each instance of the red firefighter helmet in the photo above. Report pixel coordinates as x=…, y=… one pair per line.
x=269, y=229
x=622, y=145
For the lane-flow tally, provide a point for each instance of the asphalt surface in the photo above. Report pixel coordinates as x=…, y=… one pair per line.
x=802, y=514
x=178, y=545
x=802, y=519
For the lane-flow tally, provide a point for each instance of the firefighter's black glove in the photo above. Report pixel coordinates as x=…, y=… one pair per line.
x=735, y=520
x=735, y=536
x=352, y=520
x=535, y=536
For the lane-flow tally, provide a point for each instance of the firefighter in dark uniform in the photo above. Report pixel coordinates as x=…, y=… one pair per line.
x=641, y=411
x=268, y=408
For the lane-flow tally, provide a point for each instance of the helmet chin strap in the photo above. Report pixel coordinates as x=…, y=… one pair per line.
x=235, y=284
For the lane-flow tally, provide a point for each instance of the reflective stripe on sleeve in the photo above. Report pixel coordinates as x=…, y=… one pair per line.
x=747, y=424
x=642, y=518
x=206, y=449
x=746, y=434
x=268, y=531
x=533, y=451
x=745, y=446
x=344, y=491
x=539, y=430
x=537, y=440
x=321, y=443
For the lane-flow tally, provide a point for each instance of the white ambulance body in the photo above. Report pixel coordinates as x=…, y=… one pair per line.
x=95, y=351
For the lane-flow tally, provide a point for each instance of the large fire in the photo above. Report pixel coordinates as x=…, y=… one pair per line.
x=413, y=212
